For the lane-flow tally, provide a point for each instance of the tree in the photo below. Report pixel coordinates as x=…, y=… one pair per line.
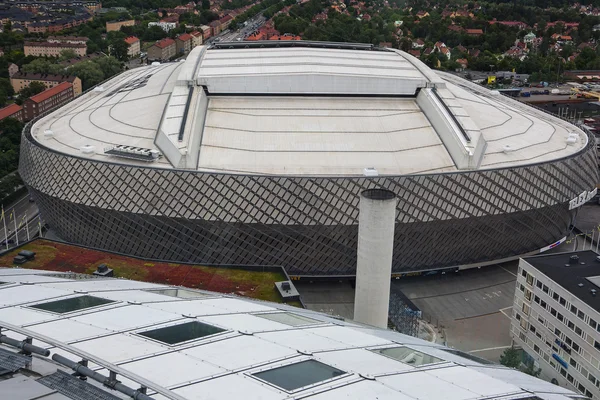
x=205, y=4
x=67, y=54
x=119, y=49
x=108, y=65
x=511, y=357
x=89, y=72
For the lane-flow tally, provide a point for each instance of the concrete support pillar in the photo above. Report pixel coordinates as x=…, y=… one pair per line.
x=376, y=221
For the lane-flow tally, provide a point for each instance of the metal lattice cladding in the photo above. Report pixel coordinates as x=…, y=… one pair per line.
x=306, y=224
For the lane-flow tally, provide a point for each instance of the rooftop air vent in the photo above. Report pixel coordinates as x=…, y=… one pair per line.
x=370, y=171
x=572, y=139
x=99, y=89
x=155, y=63
x=506, y=148
x=593, y=292
x=580, y=284
x=574, y=259
x=598, y=258
x=48, y=134
x=87, y=149
x=495, y=93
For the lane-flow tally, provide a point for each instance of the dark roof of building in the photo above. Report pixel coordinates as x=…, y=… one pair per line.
x=46, y=94
x=45, y=77
x=570, y=274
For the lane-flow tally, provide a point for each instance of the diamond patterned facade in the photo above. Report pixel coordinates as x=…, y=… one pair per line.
x=308, y=225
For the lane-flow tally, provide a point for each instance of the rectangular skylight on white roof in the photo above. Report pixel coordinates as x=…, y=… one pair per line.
x=180, y=333
x=290, y=319
x=295, y=376
x=408, y=356
x=72, y=304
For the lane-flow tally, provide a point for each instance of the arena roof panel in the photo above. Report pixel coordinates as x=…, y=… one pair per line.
x=391, y=121
x=237, y=366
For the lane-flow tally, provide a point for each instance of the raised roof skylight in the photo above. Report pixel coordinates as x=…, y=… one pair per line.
x=73, y=304
x=289, y=318
x=175, y=334
x=295, y=376
x=180, y=293
x=408, y=356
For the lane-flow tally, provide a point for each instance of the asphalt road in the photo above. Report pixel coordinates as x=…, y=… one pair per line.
x=22, y=213
x=241, y=34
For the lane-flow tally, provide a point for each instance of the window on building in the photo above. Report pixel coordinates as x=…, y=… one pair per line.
x=525, y=309
x=529, y=279
x=543, y=304
x=575, y=347
x=295, y=376
x=560, y=317
x=536, y=299
x=563, y=372
x=527, y=294
x=562, y=302
x=596, y=345
x=555, y=296
x=573, y=309
x=580, y=315
x=524, y=323
x=553, y=312
x=573, y=362
x=538, y=284
x=570, y=378
x=592, y=323
x=578, y=331
x=570, y=325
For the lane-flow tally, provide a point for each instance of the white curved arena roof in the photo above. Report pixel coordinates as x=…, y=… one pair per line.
x=306, y=110
x=186, y=344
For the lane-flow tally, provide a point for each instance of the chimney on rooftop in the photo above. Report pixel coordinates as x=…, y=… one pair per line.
x=574, y=259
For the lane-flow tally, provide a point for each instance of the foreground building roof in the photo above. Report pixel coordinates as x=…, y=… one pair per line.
x=304, y=108
x=189, y=344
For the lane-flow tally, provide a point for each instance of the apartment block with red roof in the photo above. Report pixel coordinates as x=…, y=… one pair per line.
x=48, y=100
x=12, y=111
x=183, y=43
x=196, y=38
x=133, y=43
x=162, y=50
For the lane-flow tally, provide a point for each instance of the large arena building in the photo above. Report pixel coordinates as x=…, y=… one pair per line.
x=256, y=154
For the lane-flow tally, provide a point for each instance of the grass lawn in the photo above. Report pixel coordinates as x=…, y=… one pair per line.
x=61, y=257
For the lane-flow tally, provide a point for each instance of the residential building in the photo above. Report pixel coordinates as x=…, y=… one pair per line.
x=165, y=26
x=46, y=49
x=21, y=80
x=225, y=22
x=474, y=32
x=47, y=100
x=162, y=50
x=112, y=26
x=196, y=38
x=12, y=111
x=183, y=43
x=556, y=317
x=133, y=43
x=529, y=38
x=206, y=32
x=68, y=39
x=418, y=44
x=215, y=28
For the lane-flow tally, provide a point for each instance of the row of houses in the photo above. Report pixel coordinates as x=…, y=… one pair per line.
x=40, y=103
x=166, y=49
x=53, y=49
x=21, y=80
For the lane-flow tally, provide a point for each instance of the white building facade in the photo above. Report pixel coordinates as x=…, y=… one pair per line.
x=555, y=318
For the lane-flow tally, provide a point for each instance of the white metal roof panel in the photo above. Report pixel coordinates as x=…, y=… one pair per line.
x=28, y=294
x=127, y=317
x=120, y=348
x=25, y=278
x=348, y=336
x=181, y=369
x=302, y=340
x=96, y=285
x=473, y=381
x=231, y=387
x=423, y=386
x=187, y=307
x=244, y=323
x=23, y=316
x=362, y=361
x=138, y=296
x=240, y=352
x=67, y=330
x=521, y=380
x=236, y=306
x=24, y=271
x=361, y=391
